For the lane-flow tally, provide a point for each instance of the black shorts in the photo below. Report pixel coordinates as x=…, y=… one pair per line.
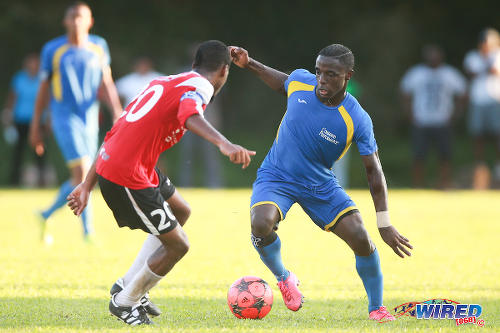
x=144, y=209
x=424, y=137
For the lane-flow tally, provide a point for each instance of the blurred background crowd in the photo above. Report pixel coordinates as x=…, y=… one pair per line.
x=427, y=72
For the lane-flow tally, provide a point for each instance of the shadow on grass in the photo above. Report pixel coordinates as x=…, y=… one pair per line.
x=189, y=313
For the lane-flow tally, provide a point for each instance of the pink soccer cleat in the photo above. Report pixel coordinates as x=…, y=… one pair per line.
x=381, y=315
x=291, y=295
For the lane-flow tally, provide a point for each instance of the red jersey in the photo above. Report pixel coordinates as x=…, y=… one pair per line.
x=152, y=123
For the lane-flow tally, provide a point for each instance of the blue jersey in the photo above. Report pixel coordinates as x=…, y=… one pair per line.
x=75, y=74
x=25, y=87
x=312, y=136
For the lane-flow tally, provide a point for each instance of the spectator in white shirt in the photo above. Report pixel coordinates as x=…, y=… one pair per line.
x=433, y=94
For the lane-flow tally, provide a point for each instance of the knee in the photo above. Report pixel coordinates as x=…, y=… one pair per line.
x=262, y=226
x=180, y=248
x=361, y=242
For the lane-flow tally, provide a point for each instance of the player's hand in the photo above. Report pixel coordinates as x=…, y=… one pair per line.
x=396, y=241
x=237, y=154
x=78, y=199
x=239, y=56
x=36, y=140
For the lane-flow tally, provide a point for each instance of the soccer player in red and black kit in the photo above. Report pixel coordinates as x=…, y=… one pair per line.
x=137, y=193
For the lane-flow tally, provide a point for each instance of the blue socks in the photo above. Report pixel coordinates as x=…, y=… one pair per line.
x=369, y=270
x=60, y=201
x=271, y=256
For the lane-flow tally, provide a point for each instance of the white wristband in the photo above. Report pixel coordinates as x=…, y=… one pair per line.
x=383, y=219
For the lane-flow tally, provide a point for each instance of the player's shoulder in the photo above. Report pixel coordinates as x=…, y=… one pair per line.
x=354, y=108
x=55, y=43
x=97, y=40
x=189, y=81
x=302, y=75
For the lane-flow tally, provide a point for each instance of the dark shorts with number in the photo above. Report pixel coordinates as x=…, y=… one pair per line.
x=144, y=209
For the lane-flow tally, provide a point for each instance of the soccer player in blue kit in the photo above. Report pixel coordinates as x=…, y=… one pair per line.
x=321, y=122
x=73, y=67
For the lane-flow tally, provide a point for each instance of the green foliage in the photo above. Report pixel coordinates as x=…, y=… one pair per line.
x=64, y=288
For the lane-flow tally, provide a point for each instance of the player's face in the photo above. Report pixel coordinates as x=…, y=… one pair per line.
x=78, y=20
x=332, y=78
x=224, y=73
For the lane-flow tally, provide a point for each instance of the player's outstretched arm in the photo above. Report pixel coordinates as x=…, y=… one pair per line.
x=378, y=190
x=111, y=94
x=272, y=77
x=42, y=99
x=79, y=197
x=237, y=154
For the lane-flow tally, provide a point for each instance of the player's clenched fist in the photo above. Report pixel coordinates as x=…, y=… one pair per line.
x=239, y=56
x=237, y=154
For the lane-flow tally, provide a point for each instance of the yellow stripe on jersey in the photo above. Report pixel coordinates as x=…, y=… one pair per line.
x=299, y=86
x=56, y=72
x=331, y=224
x=97, y=49
x=350, y=129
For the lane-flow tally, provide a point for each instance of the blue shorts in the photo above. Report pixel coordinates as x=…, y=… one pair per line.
x=76, y=138
x=324, y=204
x=484, y=119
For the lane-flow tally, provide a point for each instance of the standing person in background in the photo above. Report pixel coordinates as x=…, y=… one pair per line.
x=483, y=67
x=17, y=116
x=131, y=84
x=433, y=93
x=73, y=67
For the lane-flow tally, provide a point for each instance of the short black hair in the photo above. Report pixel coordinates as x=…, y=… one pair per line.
x=76, y=4
x=211, y=55
x=341, y=53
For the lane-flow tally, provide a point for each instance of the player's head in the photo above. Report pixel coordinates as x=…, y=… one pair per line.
x=212, y=60
x=31, y=63
x=143, y=65
x=489, y=39
x=433, y=55
x=334, y=68
x=78, y=18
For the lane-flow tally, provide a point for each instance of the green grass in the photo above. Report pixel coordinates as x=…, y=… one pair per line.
x=65, y=287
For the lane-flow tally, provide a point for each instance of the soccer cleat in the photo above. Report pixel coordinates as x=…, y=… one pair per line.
x=151, y=308
x=381, y=315
x=131, y=315
x=292, y=297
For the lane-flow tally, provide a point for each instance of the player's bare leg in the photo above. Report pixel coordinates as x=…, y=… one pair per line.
x=351, y=229
x=265, y=219
x=182, y=211
x=180, y=207
x=174, y=246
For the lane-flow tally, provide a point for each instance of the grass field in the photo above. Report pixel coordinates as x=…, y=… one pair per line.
x=64, y=287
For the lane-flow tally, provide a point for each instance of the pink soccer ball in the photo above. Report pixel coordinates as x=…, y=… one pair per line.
x=250, y=297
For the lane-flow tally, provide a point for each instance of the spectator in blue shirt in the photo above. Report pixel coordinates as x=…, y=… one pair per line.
x=18, y=113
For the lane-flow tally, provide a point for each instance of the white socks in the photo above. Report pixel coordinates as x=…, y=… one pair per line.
x=151, y=244
x=142, y=282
